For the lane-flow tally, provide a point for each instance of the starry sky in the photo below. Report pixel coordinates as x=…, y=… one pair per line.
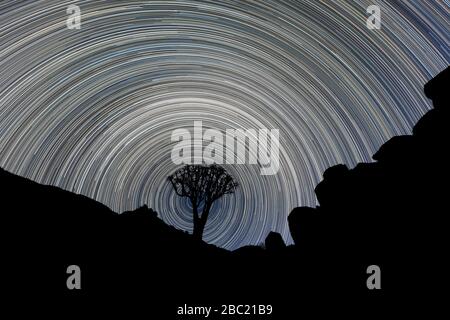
x=92, y=110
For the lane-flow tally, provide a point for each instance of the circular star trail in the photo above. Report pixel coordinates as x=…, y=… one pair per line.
x=92, y=110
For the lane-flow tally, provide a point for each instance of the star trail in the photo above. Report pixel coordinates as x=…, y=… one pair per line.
x=92, y=110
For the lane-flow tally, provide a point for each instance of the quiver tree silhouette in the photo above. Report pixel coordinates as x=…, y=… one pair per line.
x=202, y=185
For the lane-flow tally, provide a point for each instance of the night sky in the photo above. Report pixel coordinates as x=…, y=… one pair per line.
x=92, y=110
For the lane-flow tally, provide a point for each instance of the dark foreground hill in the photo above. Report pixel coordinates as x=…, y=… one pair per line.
x=389, y=213
x=392, y=212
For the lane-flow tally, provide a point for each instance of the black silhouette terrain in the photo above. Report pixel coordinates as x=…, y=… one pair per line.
x=391, y=213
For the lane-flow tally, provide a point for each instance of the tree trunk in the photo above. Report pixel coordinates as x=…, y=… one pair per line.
x=199, y=227
x=196, y=233
x=200, y=222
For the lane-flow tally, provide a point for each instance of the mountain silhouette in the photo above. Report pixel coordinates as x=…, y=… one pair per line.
x=388, y=213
